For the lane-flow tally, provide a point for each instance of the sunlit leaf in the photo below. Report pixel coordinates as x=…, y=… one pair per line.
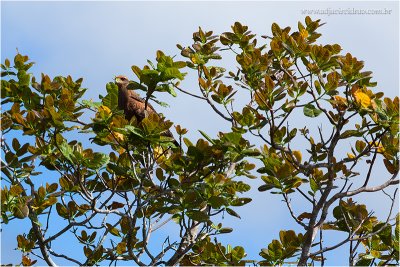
x=311, y=111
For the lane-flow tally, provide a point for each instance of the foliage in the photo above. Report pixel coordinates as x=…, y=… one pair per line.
x=114, y=202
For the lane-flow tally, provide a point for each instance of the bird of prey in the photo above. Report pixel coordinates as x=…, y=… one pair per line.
x=133, y=105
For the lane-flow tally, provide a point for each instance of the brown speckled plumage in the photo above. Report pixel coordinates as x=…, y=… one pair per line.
x=132, y=104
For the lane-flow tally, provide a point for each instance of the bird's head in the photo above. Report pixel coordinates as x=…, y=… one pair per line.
x=121, y=81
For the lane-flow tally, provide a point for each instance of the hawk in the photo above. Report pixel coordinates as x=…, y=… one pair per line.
x=133, y=105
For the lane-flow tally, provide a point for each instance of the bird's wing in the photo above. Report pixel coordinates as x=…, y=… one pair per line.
x=136, y=104
x=135, y=107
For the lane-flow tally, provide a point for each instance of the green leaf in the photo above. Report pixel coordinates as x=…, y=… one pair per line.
x=7, y=63
x=98, y=160
x=172, y=91
x=135, y=85
x=232, y=213
x=41, y=192
x=21, y=211
x=91, y=104
x=121, y=248
x=148, y=75
x=166, y=88
x=56, y=118
x=187, y=142
x=385, y=232
x=266, y=187
x=62, y=211
x=207, y=137
x=313, y=185
x=172, y=73
x=310, y=110
x=111, y=99
x=197, y=215
x=317, y=86
x=241, y=201
x=137, y=71
x=179, y=64
x=160, y=174
x=276, y=30
x=97, y=254
x=351, y=133
x=66, y=151
x=15, y=144
x=216, y=201
x=360, y=145
x=134, y=130
x=232, y=137
x=51, y=188
x=225, y=230
x=114, y=231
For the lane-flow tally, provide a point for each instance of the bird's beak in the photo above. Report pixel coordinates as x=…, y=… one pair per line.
x=116, y=79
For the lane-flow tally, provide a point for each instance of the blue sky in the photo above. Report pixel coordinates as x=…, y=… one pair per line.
x=98, y=40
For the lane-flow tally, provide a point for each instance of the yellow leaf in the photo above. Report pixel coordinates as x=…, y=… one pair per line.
x=339, y=98
x=304, y=33
x=339, y=102
x=378, y=146
x=350, y=156
x=118, y=122
x=105, y=109
x=26, y=261
x=103, y=112
x=362, y=99
x=119, y=137
x=160, y=154
x=121, y=248
x=297, y=155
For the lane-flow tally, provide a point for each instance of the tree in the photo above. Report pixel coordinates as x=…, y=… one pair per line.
x=114, y=193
